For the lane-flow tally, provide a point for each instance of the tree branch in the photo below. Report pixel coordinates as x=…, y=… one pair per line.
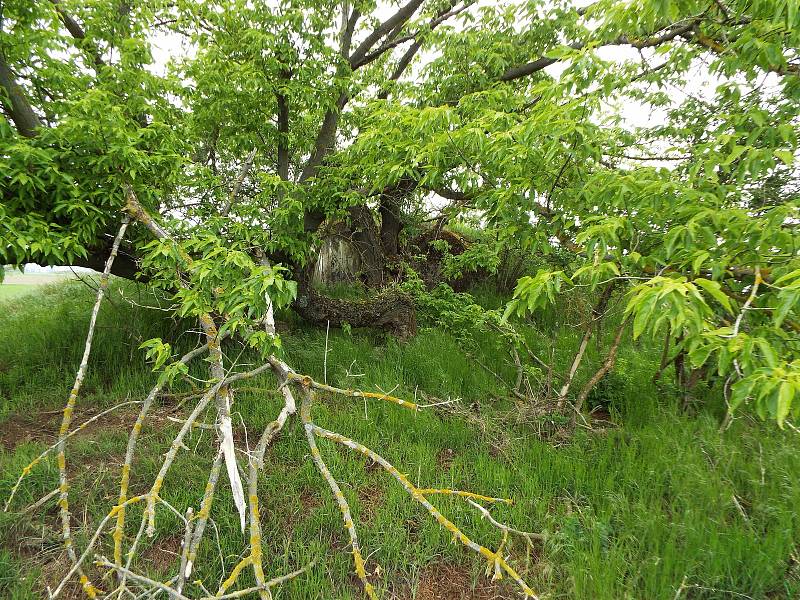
x=347, y=32
x=608, y=364
x=325, y=138
x=16, y=103
x=442, y=16
x=77, y=32
x=409, y=54
x=537, y=65
x=398, y=19
x=283, y=132
x=237, y=184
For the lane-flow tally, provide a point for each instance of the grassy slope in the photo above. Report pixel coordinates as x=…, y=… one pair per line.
x=631, y=512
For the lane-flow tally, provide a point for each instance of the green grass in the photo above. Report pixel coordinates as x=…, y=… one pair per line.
x=14, y=290
x=632, y=511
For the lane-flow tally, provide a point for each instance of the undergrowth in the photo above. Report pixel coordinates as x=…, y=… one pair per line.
x=659, y=504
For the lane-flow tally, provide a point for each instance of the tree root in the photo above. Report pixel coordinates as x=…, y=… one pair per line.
x=390, y=310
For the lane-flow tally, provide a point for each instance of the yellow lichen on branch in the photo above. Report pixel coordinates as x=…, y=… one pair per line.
x=462, y=494
x=495, y=559
x=344, y=507
x=305, y=380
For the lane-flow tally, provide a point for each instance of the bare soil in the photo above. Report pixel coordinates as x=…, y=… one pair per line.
x=451, y=582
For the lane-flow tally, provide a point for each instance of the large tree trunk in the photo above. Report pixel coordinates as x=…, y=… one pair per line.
x=391, y=201
x=365, y=237
x=17, y=105
x=391, y=225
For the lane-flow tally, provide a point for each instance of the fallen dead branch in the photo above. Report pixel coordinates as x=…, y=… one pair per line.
x=128, y=580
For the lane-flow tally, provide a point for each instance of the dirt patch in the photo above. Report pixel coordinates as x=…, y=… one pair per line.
x=53, y=572
x=444, y=458
x=34, y=538
x=19, y=429
x=309, y=500
x=291, y=516
x=370, y=498
x=450, y=582
x=43, y=426
x=164, y=554
x=44, y=561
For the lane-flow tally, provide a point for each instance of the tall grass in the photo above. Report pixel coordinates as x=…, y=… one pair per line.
x=660, y=506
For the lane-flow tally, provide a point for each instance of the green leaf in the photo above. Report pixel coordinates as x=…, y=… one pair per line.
x=785, y=156
x=784, y=404
x=787, y=300
x=714, y=290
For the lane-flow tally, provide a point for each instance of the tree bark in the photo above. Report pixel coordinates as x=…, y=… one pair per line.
x=365, y=238
x=391, y=200
x=608, y=364
x=77, y=32
x=664, y=358
x=17, y=105
x=597, y=315
x=391, y=225
x=391, y=310
x=283, y=133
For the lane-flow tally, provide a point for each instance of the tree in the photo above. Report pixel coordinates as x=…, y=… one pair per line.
x=283, y=118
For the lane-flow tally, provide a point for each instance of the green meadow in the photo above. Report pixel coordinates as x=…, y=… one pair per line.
x=651, y=502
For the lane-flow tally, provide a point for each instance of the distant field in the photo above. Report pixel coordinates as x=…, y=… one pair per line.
x=13, y=290
x=16, y=284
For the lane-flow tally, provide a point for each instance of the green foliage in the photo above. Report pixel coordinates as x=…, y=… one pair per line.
x=223, y=280
x=788, y=296
x=610, y=393
x=773, y=389
x=694, y=219
x=536, y=292
x=672, y=302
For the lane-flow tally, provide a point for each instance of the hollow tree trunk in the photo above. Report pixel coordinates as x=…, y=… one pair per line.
x=338, y=261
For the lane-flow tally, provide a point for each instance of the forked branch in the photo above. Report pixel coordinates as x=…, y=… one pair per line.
x=495, y=558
